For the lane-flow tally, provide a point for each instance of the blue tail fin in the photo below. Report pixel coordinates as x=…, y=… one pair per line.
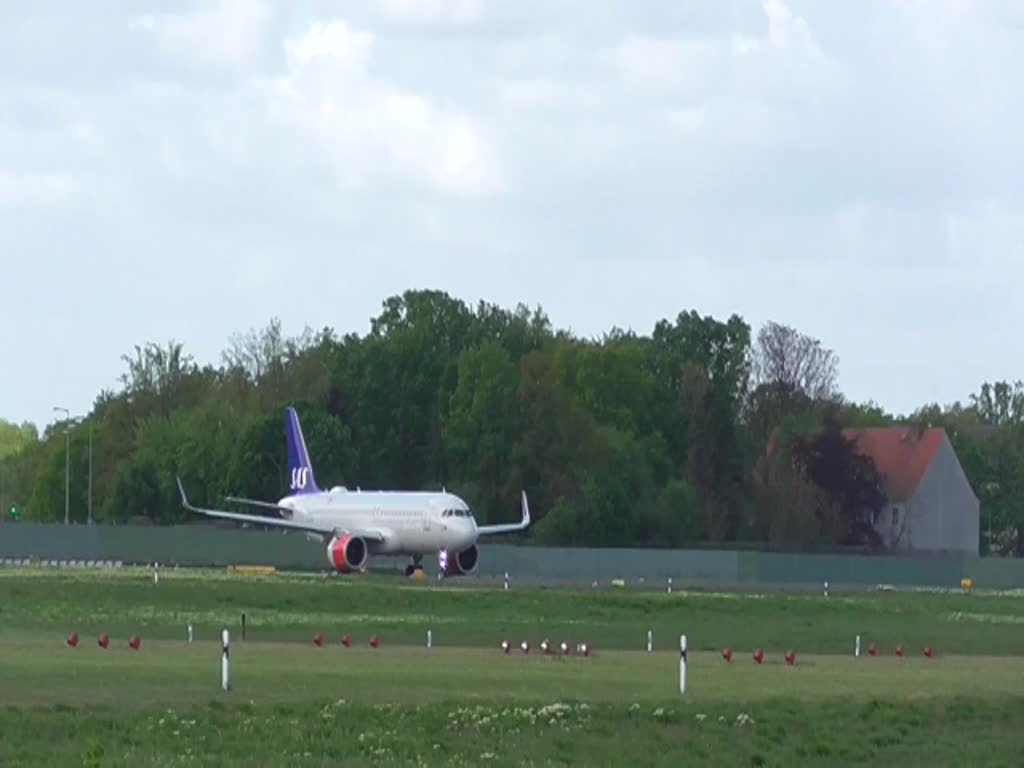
x=300, y=471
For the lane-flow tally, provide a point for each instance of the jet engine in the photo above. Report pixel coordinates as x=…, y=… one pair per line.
x=347, y=553
x=464, y=562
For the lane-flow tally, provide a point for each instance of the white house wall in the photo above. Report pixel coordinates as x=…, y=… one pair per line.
x=944, y=512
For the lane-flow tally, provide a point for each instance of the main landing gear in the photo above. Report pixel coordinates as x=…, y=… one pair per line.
x=415, y=569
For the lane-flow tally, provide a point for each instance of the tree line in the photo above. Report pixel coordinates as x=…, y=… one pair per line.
x=627, y=440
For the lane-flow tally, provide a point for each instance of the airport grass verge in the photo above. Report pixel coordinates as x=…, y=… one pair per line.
x=294, y=608
x=941, y=732
x=463, y=702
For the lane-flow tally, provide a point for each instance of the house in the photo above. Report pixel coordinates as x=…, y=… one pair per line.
x=931, y=505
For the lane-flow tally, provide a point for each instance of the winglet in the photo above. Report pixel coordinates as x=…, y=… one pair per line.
x=522, y=525
x=181, y=490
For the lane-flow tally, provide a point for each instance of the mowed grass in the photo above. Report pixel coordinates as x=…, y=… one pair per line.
x=295, y=607
x=463, y=702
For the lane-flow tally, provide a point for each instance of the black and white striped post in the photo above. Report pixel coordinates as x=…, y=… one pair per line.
x=682, y=664
x=225, y=681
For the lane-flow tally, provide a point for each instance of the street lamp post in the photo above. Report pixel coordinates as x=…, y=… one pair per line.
x=67, y=463
x=90, y=473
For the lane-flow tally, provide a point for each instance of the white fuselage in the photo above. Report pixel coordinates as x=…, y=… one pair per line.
x=411, y=522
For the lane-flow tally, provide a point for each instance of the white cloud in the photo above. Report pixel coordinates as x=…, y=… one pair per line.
x=345, y=48
x=32, y=190
x=673, y=63
x=371, y=131
x=842, y=166
x=983, y=239
x=433, y=11
x=737, y=90
x=787, y=30
x=224, y=35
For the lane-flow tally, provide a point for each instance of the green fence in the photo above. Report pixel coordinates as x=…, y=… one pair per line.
x=219, y=547
x=175, y=545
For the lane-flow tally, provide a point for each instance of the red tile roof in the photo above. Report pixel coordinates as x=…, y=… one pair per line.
x=902, y=455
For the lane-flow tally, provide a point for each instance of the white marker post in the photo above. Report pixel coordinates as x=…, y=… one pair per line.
x=429, y=639
x=856, y=648
x=826, y=589
x=506, y=581
x=156, y=573
x=682, y=664
x=670, y=585
x=650, y=641
x=225, y=681
x=190, y=633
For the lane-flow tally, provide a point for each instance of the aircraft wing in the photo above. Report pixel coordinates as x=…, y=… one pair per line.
x=262, y=504
x=324, y=529
x=522, y=525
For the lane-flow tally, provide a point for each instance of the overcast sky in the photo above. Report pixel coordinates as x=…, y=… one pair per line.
x=188, y=170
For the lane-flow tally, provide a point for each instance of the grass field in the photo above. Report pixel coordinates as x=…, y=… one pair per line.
x=463, y=702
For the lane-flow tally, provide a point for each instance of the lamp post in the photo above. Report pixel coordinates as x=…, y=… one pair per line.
x=67, y=463
x=90, y=474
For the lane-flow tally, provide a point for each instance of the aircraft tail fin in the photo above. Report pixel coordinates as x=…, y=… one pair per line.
x=300, y=469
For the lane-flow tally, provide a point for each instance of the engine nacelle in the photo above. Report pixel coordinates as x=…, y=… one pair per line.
x=464, y=562
x=347, y=553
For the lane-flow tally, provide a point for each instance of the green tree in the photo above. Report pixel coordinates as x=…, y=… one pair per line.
x=14, y=438
x=850, y=479
x=483, y=427
x=662, y=439
x=703, y=366
x=1000, y=404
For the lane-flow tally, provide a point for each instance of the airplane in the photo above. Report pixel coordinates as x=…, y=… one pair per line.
x=360, y=523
